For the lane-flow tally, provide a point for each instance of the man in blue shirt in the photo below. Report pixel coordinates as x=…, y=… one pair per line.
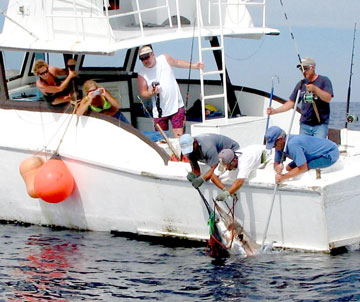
x=315, y=96
x=307, y=152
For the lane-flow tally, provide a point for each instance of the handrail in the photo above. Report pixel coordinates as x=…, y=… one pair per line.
x=173, y=8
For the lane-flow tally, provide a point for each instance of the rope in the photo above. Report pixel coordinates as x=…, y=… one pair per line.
x=75, y=104
x=44, y=148
x=213, y=240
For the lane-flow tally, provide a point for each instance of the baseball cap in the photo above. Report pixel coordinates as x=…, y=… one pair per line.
x=144, y=50
x=272, y=134
x=226, y=156
x=186, y=143
x=307, y=61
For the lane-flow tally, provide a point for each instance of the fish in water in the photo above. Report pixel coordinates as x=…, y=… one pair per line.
x=231, y=234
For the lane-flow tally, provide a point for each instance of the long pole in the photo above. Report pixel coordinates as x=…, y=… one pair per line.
x=171, y=146
x=290, y=126
x=282, y=159
x=270, y=103
x=351, y=66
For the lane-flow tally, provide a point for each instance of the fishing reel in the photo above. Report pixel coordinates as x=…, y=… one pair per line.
x=351, y=118
x=309, y=97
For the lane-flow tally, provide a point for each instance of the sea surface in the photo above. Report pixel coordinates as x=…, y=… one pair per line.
x=44, y=264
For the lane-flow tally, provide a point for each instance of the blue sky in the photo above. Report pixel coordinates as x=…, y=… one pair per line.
x=323, y=29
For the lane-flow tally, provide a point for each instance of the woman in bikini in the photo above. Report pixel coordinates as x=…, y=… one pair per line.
x=53, y=90
x=98, y=99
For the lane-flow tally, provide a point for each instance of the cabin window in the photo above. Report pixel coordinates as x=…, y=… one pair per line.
x=116, y=61
x=13, y=61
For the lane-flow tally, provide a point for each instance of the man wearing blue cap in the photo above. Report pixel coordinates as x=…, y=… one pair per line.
x=307, y=152
x=204, y=148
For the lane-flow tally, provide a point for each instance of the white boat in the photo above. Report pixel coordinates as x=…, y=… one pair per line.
x=124, y=181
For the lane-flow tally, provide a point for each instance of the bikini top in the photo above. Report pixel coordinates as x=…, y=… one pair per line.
x=106, y=105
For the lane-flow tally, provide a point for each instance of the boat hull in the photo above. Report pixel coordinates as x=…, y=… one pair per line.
x=115, y=193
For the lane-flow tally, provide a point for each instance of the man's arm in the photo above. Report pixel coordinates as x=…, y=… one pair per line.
x=217, y=182
x=292, y=173
x=285, y=107
x=322, y=94
x=144, y=90
x=195, y=167
x=207, y=175
x=236, y=185
x=44, y=88
x=183, y=64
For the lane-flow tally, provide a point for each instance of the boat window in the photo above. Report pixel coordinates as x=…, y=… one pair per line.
x=116, y=61
x=3, y=7
x=13, y=61
x=56, y=59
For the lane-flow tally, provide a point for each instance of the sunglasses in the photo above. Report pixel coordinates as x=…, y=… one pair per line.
x=144, y=57
x=44, y=72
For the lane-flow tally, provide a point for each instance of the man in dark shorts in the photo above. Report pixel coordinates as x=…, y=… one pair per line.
x=156, y=81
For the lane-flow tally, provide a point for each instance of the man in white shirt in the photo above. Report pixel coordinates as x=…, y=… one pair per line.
x=242, y=163
x=156, y=80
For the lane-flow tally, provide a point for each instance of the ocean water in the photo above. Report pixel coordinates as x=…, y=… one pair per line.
x=338, y=115
x=43, y=264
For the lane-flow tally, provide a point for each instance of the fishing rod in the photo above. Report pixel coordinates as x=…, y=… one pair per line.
x=270, y=103
x=348, y=118
x=292, y=35
x=171, y=146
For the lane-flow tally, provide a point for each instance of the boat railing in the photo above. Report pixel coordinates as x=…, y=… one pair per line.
x=139, y=18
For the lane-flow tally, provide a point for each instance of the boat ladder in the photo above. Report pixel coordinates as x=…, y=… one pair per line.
x=221, y=71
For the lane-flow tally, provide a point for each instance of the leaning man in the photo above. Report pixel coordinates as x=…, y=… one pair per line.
x=204, y=148
x=306, y=152
x=242, y=163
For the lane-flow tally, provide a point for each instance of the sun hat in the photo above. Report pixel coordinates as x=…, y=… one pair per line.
x=226, y=156
x=144, y=50
x=186, y=143
x=272, y=134
x=307, y=61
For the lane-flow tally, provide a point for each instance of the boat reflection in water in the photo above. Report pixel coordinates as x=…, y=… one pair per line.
x=45, y=270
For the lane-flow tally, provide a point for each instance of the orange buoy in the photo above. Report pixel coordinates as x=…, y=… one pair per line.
x=28, y=169
x=54, y=182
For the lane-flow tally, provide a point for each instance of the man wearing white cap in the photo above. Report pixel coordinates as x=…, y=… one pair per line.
x=315, y=96
x=242, y=163
x=204, y=148
x=156, y=80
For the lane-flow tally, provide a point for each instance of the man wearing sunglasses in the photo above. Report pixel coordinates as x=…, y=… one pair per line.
x=156, y=81
x=53, y=89
x=315, y=96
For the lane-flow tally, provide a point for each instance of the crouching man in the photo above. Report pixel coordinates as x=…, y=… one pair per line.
x=307, y=152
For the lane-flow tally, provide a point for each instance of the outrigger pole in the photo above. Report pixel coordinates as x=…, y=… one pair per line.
x=351, y=73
